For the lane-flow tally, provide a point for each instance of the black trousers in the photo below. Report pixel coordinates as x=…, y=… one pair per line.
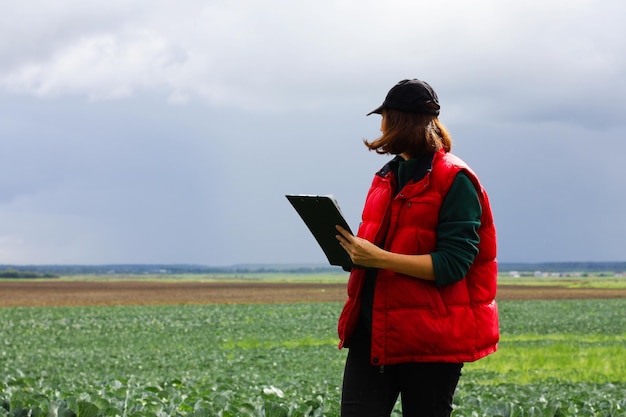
x=426, y=389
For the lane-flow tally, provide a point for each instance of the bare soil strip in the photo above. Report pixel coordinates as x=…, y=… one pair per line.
x=92, y=293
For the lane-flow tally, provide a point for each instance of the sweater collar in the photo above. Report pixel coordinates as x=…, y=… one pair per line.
x=421, y=166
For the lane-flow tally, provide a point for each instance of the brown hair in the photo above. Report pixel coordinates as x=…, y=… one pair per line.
x=410, y=133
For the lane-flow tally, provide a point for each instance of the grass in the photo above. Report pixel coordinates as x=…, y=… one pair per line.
x=602, y=280
x=339, y=277
x=598, y=280
x=532, y=359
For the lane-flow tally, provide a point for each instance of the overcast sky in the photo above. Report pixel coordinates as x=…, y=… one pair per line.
x=170, y=131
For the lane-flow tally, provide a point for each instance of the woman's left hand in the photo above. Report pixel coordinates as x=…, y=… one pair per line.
x=361, y=251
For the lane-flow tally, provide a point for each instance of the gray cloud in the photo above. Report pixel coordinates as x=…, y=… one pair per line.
x=170, y=132
x=251, y=57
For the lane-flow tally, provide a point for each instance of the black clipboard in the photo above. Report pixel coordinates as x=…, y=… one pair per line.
x=321, y=213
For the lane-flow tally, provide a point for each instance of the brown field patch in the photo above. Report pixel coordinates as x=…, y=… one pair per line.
x=85, y=293
x=88, y=293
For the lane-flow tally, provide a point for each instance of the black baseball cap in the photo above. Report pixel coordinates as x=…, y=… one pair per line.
x=411, y=96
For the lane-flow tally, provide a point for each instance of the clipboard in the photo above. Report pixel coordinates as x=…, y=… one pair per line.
x=321, y=213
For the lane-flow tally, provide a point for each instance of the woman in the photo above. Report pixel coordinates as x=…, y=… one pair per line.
x=424, y=301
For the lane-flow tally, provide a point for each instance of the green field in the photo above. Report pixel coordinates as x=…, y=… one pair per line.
x=556, y=358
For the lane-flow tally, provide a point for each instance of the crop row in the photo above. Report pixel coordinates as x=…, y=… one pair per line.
x=557, y=358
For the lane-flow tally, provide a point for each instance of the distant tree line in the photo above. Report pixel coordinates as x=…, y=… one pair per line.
x=12, y=273
x=564, y=267
x=168, y=269
x=39, y=271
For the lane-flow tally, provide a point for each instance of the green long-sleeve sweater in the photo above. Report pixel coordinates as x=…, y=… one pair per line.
x=459, y=220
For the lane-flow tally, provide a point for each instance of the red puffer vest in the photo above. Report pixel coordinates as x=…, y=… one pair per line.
x=412, y=319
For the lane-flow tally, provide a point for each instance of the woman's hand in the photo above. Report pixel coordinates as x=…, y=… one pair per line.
x=361, y=251
x=364, y=253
